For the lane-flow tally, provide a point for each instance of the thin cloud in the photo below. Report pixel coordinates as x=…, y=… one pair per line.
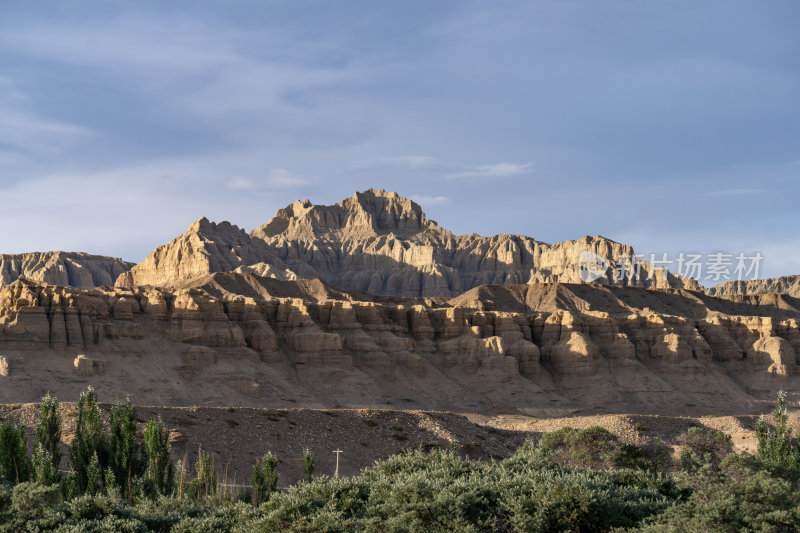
x=735, y=192
x=498, y=170
x=430, y=200
x=409, y=162
x=454, y=170
x=278, y=179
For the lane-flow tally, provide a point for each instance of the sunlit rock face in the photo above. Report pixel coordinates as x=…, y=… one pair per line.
x=239, y=338
x=380, y=243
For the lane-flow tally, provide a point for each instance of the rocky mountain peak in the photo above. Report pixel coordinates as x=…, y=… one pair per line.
x=366, y=214
x=204, y=247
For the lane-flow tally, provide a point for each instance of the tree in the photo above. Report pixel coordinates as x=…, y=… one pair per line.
x=125, y=455
x=775, y=447
x=14, y=465
x=204, y=483
x=159, y=472
x=308, y=459
x=47, y=441
x=94, y=476
x=89, y=441
x=265, y=478
x=43, y=471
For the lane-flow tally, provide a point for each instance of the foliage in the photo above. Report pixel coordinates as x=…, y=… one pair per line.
x=308, y=461
x=89, y=443
x=775, y=447
x=125, y=461
x=592, y=447
x=44, y=471
x=204, y=483
x=572, y=480
x=14, y=464
x=48, y=440
x=739, y=496
x=703, y=446
x=159, y=472
x=265, y=478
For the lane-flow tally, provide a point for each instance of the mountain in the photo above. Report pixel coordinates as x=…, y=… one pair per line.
x=204, y=248
x=379, y=243
x=72, y=269
x=789, y=285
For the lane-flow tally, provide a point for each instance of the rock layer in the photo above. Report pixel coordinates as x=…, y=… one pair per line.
x=540, y=349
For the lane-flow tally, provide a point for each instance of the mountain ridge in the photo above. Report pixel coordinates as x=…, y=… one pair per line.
x=381, y=243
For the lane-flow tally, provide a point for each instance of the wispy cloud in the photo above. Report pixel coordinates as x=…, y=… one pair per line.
x=498, y=170
x=277, y=179
x=425, y=201
x=452, y=170
x=735, y=192
x=410, y=162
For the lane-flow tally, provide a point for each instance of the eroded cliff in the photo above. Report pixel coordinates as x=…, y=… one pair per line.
x=538, y=349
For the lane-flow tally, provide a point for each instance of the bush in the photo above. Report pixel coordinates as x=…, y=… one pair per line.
x=775, y=447
x=265, y=478
x=740, y=496
x=14, y=465
x=88, y=443
x=47, y=442
x=308, y=461
x=204, y=484
x=703, y=446
x=592, y=447
x=125, y=455
x=159, y=473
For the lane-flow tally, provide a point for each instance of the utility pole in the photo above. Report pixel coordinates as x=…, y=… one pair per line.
x=337, y=452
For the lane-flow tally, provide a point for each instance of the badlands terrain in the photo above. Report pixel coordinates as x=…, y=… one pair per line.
x=325, y=311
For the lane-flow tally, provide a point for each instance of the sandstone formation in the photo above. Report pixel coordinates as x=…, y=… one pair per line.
x=70, y=269
x=536, y=349
x=380, y=243
x=789, y=285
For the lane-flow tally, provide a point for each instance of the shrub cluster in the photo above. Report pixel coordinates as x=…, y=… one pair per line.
x=572, y=480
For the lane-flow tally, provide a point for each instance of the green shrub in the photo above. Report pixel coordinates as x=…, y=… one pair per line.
x=44, y=472
x=592, y=447
x=125, y=456
x=14, y=464
x=739, y=496
x=48, y=441
x=703, y=446
x=204, y=483
x=159, y=473
x=265, y=478
x=775, y=447
x=308, y=461
x=88, y=444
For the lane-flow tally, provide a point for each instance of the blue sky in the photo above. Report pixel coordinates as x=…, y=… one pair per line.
x=670, y=125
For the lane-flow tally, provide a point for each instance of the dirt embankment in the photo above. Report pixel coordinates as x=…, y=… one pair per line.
x=237, y=436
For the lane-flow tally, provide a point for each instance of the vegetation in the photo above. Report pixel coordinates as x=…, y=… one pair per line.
x=571, y=480
x=775, y=447
x=265, y=478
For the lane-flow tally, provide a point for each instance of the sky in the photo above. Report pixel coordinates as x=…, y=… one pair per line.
x=673, y=126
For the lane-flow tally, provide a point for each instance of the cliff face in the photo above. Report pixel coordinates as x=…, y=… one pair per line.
x=789, y=285
x=380, y=243
x=72, y=269
x=539, y=349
